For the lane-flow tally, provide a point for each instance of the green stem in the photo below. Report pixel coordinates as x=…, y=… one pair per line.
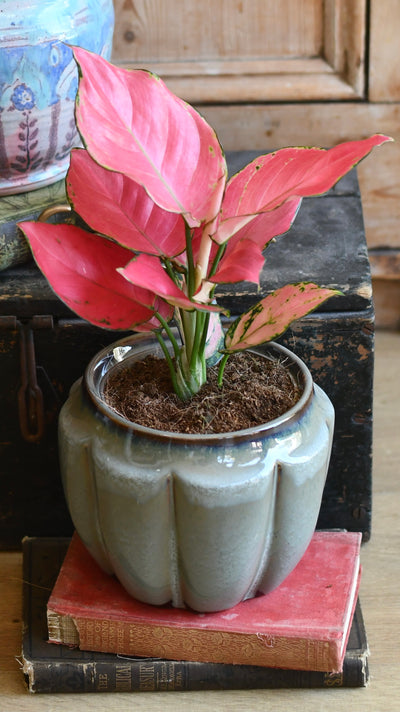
x=222, y=368
x=169, y=362
x=196, y=354
x=185, y=381
x=169, y=333
x=170, y=271
x=217, y=258
x=188, y=326
x=205, y=333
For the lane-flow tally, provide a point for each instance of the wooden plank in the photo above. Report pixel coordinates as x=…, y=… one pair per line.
x=344, y=41
x=385, y=264
x=234, y=67
x=384, y=78
x=387, y=303
x=266, y=127
x=385, y=271
x=153, y=30
x=246, y=51
x=294, y=86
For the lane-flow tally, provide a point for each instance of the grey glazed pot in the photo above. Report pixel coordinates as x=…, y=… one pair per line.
x=199, y=520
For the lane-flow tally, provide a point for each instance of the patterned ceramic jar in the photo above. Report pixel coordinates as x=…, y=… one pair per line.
x=201, y=520
x=38, y=83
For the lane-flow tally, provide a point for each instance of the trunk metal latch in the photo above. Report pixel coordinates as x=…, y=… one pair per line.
x=30, y=396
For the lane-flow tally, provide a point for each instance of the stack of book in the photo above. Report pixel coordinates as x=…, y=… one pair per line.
x=84, y=633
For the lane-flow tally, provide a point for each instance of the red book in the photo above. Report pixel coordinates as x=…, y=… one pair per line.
x=303, y=624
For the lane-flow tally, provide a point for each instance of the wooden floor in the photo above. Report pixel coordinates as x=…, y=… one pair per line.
x=380, y=599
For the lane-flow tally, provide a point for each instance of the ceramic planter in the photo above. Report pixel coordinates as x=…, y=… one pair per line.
x=38, y=83
x=199, y=520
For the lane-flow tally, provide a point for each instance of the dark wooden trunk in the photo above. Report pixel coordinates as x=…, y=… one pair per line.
x=44, y=348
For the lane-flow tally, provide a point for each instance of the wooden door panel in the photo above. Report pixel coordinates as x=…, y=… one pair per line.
x=384, y=77
x=252, y=50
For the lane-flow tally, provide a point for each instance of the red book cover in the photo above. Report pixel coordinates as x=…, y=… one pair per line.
x=303, y=624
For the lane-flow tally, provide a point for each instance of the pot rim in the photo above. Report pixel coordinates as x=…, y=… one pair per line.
x=104, y=360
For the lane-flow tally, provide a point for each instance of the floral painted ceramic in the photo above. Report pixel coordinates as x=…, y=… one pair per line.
x=198, y=520
x=38, y=83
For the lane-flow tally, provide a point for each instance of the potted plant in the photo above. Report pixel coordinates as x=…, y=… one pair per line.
x=203, y=519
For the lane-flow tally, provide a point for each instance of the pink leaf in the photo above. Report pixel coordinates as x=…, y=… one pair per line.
x=92, y=288
x=271, y=317
x=243, y=262
x=242, y=259
x=271, y=179
x=130, y=122
x=116, y=206
x=147, y=272
x=262, y=227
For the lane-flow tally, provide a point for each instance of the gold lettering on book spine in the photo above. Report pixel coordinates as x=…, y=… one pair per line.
x=123, y=678
x=333, y=679
x=102, y=684
x=146, y=677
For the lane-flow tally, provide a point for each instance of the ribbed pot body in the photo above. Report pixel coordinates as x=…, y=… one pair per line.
x=199, y=520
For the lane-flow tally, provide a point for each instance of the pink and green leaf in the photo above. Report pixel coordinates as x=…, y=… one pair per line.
x=243, y=258
x=261, y=228
x=269, y=180
x=114, y=205
x=151, y=136
x=243, y=262
x=271, y=316
x=92, y=288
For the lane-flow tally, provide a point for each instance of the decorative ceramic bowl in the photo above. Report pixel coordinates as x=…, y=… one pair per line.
x=38, y=83
x=200, y=520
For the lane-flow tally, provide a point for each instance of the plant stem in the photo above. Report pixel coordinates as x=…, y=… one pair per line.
x=220, y=252
x=205, y=333
x=186, y=379
x=170, y=271
x=169, y=362
x=169, y=333
x=196, y=354
x=188, y=325
x=222, y=368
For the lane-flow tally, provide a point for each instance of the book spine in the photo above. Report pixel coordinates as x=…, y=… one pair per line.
x=130, y=638
x=151, y=675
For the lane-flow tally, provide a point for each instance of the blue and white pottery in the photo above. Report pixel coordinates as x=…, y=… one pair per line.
x=204, y=521
x=38, y=84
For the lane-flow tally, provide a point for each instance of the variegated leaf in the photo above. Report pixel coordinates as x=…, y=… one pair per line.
x=271, y=316
x=269, y=180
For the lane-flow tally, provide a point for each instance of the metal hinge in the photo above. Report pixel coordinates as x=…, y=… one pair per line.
x=30, y=396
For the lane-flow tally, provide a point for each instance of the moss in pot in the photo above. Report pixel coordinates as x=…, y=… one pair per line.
x=209, y=519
